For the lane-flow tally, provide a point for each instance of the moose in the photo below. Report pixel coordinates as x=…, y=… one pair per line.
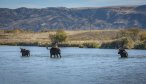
x=123, y=53
x=25, y=52
x=55, y=51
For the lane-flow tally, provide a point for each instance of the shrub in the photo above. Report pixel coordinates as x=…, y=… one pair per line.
x=143, y=36
x=132, y=33
x=91, y=45
x=127, y=42
x=81, y=46
x=68, y=45
x=140, y=45
x=124, y=41
x=60, y=36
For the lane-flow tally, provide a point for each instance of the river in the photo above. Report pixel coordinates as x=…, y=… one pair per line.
x=77, y=66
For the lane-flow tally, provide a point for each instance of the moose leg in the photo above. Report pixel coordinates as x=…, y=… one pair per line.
x=60, y=55
x=28, y=53
x=126, y=54
x=50, y=55
x=22, y=53
x=56, y=55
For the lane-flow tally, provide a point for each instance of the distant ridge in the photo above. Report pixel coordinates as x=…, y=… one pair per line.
x=73, y=18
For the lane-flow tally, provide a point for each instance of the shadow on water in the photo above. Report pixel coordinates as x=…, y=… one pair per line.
x=123, y=58
x=86, y=55
x=24, y=56
x=40, y=56
x=35, y=56
x=137, y=56
x=131, y=57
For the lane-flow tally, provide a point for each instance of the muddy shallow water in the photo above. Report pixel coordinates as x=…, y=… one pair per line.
x=77, y=66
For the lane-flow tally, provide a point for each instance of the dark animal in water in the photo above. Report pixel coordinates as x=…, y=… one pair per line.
x=123, y=53
x=56, y=52
x=25, y=52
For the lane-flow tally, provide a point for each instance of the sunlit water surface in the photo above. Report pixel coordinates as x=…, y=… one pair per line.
x=77, y=66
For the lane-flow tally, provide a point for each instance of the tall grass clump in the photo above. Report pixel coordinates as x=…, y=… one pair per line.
x=124, y=41
x=143, y=36
x=140, y=45
x=133, y=33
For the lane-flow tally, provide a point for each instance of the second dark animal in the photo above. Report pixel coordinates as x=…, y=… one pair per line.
x=123, y=53
x=25, y=52
x=56, y=52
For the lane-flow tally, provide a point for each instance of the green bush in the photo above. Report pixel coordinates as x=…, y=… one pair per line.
x=60, y=36
x=140, y=45
x=91, y=45
x=81, y=46
x=124, y=41
x=68, y=45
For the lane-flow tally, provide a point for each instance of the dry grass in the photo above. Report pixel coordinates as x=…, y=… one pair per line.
x=74, y=37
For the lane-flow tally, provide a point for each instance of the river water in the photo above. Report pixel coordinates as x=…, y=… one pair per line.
x=77, y=66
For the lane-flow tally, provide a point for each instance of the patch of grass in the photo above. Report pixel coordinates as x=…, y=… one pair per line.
x=140, y=45
x=91, y=45
x=124, y=41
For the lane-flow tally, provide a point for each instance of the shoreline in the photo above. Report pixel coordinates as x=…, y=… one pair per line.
x=67, y=46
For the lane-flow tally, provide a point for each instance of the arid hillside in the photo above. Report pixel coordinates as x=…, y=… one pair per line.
x=73, y=18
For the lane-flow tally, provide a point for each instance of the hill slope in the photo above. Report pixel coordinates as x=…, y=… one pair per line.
x=73, y=18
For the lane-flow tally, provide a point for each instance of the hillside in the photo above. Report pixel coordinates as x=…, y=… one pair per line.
x=73, y=18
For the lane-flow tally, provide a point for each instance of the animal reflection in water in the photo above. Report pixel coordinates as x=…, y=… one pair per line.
x=123, y=53
x=25, y=52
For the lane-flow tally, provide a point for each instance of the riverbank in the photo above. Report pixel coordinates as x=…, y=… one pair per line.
x=134, y=38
